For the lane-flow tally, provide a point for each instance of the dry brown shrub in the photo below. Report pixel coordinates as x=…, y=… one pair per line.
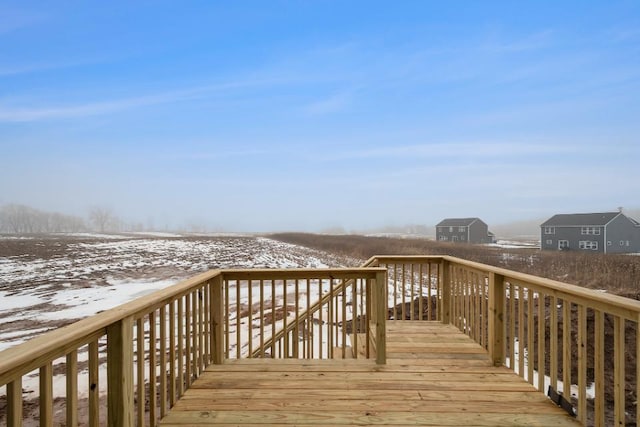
x=618, y=274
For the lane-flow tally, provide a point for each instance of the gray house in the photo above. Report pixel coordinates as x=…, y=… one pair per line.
x=466, y=230
x=608, y=232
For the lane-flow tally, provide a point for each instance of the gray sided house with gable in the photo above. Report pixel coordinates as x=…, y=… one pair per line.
x=465, y=230
x=608, y=232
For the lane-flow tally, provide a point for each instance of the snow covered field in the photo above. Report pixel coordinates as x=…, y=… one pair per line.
x=47, y=282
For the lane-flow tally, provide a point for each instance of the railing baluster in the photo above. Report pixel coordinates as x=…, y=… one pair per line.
x=152, y=369
x=227, y=321
x=309, y=322
x=296, y=329
x=72, y=388
x=411, y=304
x=273, y=318
x=46, y=395
x=582, y=364
x=140, y=356
x=94, y=384
x=320, y=320
x=172, y=353
x=445, y=289
x=496, y=318
x=530, y=333
x=331, y=321
x=218, y=311
x=163, y=361
x=201, y=331
x=285, y=314
x=262, y=318
x=430, y=315
x=181, y=346
x=195, y=334
x=14, y=403
x=598, y=357
x=404, y=293
x=207, y=322
x=553, y=341
x=344, y=317
x=395, y=291
x=520, y=331
x=512, y=326
x=619, y=370
x=188, y=334
x=420, y=291
x=250, y=318
x=354, y=318
x=541, y=341
x=566, y=348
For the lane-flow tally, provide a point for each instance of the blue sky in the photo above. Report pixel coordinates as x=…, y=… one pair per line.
x=305, y=115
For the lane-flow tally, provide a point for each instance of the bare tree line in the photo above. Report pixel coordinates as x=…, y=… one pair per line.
x=21, y=219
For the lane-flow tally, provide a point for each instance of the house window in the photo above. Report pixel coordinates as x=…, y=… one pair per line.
x=462, y=229
x=563, y=244
x=549, y=242
x=450, y=229
x=444, y=238
x=608, y=242
x=549, y=230
x=587, y=244
x=590, y=230
x=621, y=242
x=455, y=238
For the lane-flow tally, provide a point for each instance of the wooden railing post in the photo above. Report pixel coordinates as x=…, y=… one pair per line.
x=216, y=305
x=14, y=403
x=120, y=407
x=380, y=304
x=445, y=280
x=496, y=318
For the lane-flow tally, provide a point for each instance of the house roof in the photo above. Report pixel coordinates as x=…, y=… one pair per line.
x=457, y=222
x=583, y=219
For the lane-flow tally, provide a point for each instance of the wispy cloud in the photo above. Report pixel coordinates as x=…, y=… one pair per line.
x=12, y=113
x=16, y=69
x=333, y=104
x=534, y=41
x=14, y=19
x=459, y=150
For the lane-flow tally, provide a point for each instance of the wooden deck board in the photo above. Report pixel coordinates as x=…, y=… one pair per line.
x=446, y=381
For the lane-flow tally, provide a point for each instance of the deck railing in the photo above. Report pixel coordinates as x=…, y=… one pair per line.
x=580, y=346
x=136, y=360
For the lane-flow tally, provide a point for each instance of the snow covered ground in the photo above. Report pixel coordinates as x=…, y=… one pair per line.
x=50, y=281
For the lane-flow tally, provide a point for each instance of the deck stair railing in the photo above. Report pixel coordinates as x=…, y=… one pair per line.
x=130, y=364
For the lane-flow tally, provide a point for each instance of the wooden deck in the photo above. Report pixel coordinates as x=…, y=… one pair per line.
x=435, y=376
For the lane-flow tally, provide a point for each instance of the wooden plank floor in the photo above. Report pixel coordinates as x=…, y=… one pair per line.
x=435, y=376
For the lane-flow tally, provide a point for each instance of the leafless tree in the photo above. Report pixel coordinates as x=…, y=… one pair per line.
x=20, y=219
x=103, y=219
